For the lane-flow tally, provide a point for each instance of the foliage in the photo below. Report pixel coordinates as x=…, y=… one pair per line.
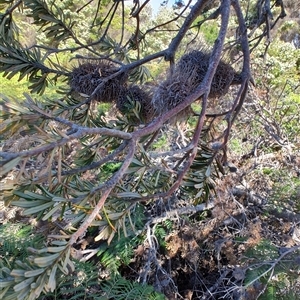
x=79, y=285
x=15, y=240
x=277, y=275
x=13, y=88
x=120, y=288
x=107, y=181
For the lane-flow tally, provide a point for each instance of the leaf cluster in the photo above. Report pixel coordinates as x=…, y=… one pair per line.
x=51, y=18
x=38, y=273
x=15, y=60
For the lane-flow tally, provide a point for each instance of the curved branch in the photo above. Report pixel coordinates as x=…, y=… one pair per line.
x=12, y=8
x=195, y=12
x=201, y=90
x=170, y=21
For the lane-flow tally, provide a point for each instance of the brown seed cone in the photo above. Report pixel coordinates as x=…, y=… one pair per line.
x=195, y=65
x=170, y=93
x=87, y=76
x=188, y=74
x=141, y=95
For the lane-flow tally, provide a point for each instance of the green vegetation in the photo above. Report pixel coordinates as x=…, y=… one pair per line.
x=13, y=87
x=108, y=191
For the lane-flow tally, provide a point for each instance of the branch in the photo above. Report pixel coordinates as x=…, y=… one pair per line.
x=195, y=12
x=273, y=264
x=109, y=186
x=200, y=91
x=91, y=166
x=170, y=21
x=77, y=132
x=12, y=8
x=170, y=214
x=245, y=75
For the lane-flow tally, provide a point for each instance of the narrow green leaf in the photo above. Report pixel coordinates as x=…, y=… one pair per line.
x=10, y=61
x=16, y=68
x=59, y=243
x=34, y=272
x=56, y=249
x=137, y=162
x=5, y=283
x=60, y=199
x=9, y=166
x=6, y=270
x=40, y=286
x=199, y=185
x=36, y=196
x=132, y=170
x=65, y=263
x=22, y=195
x=7, y=50
x=17, y=273
x=23, y=293
x=52, y=211
x=48, y=18
x=208, y=172
x=3, y=291
x=115, y=216
x=36, y=251
x=34, y=210
x=71, y=266
x=56, y=236
x=199, y=194
x=22, y=285
x=27, y=203
x=46, y=261
x=22, y=264
x=26, y=72
x=52, y=281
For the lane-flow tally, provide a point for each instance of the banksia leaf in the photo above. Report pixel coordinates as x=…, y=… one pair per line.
x=17, y=273
x=46, y=261
x=33, y=273
x=24, y=284
x=9, y=166
x=34, y=210
x=52, y=281
x=56, y=249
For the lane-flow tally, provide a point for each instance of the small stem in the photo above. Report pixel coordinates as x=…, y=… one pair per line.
x=110, y=185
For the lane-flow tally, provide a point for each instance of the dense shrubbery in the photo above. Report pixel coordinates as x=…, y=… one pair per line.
x=107, y=197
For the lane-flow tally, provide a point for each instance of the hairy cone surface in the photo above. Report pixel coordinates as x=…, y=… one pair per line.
x=187, y=76
x=89, y=75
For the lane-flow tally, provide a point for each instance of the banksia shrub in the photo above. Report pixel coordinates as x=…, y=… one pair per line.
x=136, y=94
x=88, y=75
x=188, y=74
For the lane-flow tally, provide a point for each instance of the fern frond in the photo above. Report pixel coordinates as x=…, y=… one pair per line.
x=119, y=288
